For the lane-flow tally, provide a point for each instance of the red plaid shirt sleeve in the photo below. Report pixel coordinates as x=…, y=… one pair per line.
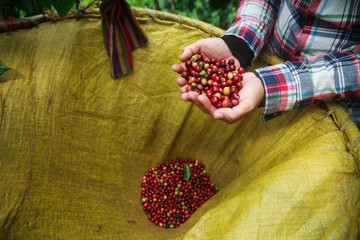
x=319, y=41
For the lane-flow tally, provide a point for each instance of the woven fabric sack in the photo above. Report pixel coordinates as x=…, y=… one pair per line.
x=75, y=143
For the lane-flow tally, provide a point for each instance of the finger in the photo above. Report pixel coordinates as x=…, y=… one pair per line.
x=181, y=81
x=190, y=96
x=184, y=96
x=194, y=98
x=206, y=104
x=191, y=50
x=232, y=115
x=184, y=89
x=179, y=68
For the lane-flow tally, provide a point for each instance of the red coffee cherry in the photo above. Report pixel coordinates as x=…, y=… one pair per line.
x=212, y=77
x=171, y=192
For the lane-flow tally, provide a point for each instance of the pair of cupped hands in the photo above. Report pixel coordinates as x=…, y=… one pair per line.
x=251, y=94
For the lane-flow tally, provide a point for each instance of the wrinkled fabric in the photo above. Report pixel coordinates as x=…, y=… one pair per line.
x=75, y=143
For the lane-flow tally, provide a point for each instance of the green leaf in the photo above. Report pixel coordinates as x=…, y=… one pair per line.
x=187, y=172
x=3, y=68
x=63, y=6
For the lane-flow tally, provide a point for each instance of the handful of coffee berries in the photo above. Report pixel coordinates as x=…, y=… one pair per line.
x=218, y=80
x=171, y=192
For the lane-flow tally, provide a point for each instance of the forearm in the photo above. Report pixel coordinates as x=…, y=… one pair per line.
x=298, y=84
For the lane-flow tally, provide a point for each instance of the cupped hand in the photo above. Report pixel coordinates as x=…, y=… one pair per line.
x=208, y=47
x=251, y=96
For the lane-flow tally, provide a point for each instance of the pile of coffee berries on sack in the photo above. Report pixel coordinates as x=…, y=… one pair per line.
x=171, y=192
x=218, y=80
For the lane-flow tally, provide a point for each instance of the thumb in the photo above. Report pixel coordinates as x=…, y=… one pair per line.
x=191, y=50
x=232, y=115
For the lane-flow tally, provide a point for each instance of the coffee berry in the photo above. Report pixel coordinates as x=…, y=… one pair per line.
x=171, y=192
x=216, y=79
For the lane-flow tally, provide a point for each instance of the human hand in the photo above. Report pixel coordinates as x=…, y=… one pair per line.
x=251, y=96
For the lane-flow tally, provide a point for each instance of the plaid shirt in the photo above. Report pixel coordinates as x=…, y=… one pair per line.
x=320, y=42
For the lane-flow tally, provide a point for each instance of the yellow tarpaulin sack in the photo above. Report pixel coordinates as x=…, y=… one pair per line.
x=75, y=143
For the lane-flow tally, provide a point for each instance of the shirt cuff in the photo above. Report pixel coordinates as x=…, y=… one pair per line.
x=284, y=90
x=240, y=49
x=262, y=103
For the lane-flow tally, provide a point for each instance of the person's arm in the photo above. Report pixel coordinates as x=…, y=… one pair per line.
x=251, y=29
x=296, y=84
x=244, y=39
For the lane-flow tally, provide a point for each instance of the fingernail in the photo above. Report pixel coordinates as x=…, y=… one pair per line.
x=218, y=116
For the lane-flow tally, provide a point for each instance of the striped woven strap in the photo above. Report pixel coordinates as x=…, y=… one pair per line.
x=122, y=34
x=13, y=25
